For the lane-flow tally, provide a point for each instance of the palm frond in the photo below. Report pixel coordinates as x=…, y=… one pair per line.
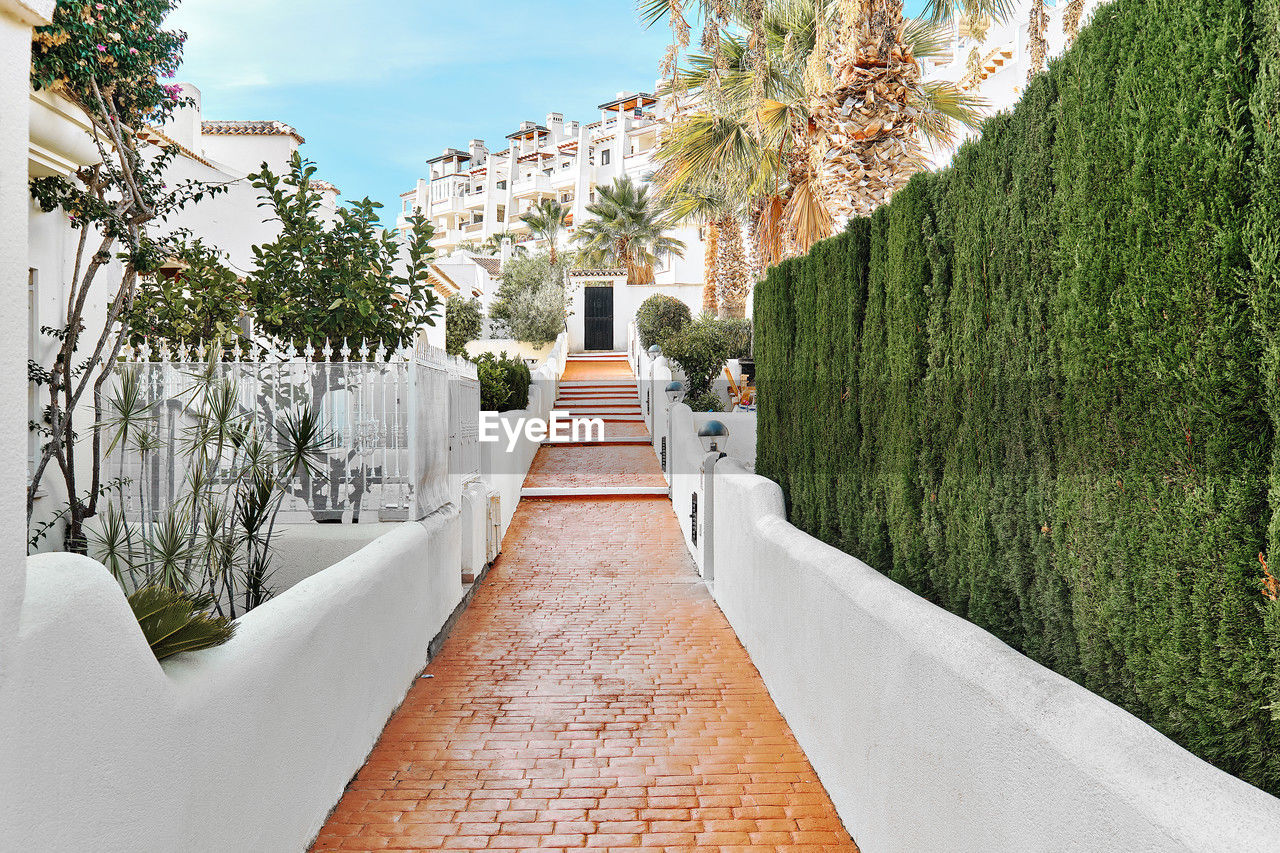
x=942, y=105
x=939, y=11
x=173, y=621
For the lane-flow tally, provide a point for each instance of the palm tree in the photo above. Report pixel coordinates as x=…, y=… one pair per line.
x=546, y=220
x=627, y=231
x=772, y=90
x=709, y=210
x=492, y=244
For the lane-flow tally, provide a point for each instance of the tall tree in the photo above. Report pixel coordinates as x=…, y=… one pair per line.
x=628, y=230
x=107, y=59
x=546, y=220
x=769, y=126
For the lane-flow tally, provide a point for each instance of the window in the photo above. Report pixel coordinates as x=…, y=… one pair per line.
x=502, y=213
x=604, y=157
x=565, y=198
x=502, y=185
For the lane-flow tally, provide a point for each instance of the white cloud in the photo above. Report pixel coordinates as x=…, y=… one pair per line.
x=253, y=43
x=256, y=43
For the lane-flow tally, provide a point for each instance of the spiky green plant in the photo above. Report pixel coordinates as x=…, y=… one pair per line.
x=174, y=621
x=213, y=538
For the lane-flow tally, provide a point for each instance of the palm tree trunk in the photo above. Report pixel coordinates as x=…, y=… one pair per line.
x=866, y=146
x=1071, y=19
x=1036, y=28
x=711, y=269
x=734, y=282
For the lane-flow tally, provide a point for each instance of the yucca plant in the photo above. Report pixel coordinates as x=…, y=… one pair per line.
x=209, y=543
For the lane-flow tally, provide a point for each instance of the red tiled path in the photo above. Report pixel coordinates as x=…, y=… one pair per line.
x=592, y=695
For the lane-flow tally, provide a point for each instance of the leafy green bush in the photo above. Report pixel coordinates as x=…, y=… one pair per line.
x=708, y=401
x=701, y=348
x=737, y=336
x=531, y=303
x=1039, y=387
x=504, y=382
x=659, y=316
x=462, y=323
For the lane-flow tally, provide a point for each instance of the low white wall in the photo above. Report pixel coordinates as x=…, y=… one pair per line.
x=301, y=550
x=930, y=734
x=244, y=747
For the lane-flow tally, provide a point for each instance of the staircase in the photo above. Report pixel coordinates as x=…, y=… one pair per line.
x=620, y=462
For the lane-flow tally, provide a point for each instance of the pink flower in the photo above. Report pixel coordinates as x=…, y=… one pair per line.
x=102, y=48
x=98, y=6
x=133, y=50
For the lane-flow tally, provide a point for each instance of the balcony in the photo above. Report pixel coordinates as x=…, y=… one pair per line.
x=538, y=183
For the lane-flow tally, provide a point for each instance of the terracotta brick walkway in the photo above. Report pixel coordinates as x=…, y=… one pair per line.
x=592, y=695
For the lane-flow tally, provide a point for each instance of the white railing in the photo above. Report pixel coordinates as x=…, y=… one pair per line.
x=400, y=427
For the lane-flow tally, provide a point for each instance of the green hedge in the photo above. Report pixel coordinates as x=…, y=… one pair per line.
x=1040, y=388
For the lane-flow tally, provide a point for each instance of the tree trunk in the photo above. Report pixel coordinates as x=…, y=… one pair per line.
x=1036, y=29
x=1071, y=19
x=711, y=269
x=866, y=145
x=734, y=281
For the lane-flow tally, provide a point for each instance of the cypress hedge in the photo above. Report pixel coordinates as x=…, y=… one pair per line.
x=1041, y=387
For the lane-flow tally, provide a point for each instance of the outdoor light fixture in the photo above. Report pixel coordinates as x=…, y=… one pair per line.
x=654, y=351
x=675, y=391
x=713, y=434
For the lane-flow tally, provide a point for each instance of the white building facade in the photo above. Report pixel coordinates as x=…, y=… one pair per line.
x=476, y=196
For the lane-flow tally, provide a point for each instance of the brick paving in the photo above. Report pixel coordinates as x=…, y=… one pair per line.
x=601, y=465
x=592, y=695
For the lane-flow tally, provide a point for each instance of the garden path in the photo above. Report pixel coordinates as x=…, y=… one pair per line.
x=592, y=695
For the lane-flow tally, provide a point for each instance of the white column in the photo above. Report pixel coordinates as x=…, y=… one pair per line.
x=619, y=145
x=512, y=174
x=491, y=224
x=582, y=185
x=17, y=17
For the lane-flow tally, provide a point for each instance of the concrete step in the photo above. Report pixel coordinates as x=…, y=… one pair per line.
x=629, y=440
x=569, y=405
x=596, y=492
x=597, y=401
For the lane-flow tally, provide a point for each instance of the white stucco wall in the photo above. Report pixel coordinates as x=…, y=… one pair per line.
x=244, y=747
x=933, y=736
x=16, y=20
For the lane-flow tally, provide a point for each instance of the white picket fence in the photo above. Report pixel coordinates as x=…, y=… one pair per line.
x=402, y=426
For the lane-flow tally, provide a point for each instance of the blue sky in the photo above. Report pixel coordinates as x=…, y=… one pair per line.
x=378, y=86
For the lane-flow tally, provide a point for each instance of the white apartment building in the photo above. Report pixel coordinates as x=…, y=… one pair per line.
x=474, y=194
x=992, y=60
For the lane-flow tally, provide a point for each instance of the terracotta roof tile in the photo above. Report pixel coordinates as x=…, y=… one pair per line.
x=249, y=128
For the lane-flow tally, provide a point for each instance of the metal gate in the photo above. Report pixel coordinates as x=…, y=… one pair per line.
x=598, y=320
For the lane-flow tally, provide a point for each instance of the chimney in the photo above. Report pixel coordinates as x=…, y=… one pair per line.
x=505, y=252
x=183, y=126
x=477, y=150
x=555, y=124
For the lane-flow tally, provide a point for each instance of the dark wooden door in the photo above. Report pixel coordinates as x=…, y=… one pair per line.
x=599, y=318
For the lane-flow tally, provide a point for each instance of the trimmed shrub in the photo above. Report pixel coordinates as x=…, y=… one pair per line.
x=462, y=323
x=1040, y=387
x=737, y=336
x=708, y=401
x=504, y=382
x=701, y=349
x=659, y=316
